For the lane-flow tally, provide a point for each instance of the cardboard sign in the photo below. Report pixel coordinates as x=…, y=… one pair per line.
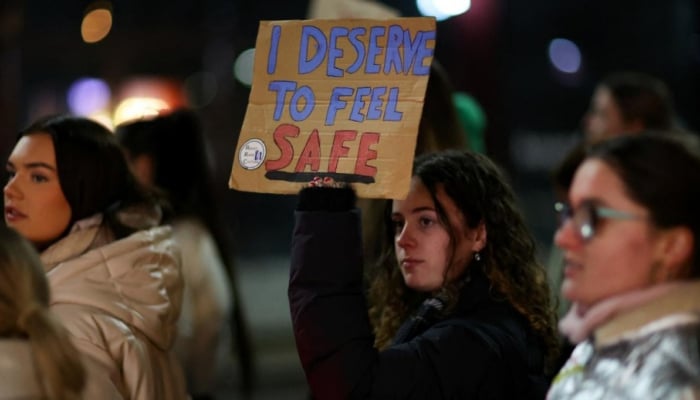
x=336, y=98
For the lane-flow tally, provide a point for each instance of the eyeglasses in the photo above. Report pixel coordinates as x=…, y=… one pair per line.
x=586, y=217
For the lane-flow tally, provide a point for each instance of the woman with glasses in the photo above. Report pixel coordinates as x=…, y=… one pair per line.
x=630, y=236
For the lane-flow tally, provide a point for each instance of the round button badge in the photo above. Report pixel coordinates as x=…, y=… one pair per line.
x=252, y=154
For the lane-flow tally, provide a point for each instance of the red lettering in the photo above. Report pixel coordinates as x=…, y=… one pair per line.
x=311, y=155
x=286, y=150
x=365, y=153
x=339, y=149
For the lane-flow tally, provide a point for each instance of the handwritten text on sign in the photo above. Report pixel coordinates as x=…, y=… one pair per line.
x=338, y=98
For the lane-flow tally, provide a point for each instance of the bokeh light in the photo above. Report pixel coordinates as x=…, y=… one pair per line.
x=104, y=118
x=88, y=95
x=96, y=25
x=565, y=55
x=135, y=108
x=443, y=9
x=243, y=67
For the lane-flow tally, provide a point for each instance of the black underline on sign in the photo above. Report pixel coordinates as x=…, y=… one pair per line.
x=308, y=176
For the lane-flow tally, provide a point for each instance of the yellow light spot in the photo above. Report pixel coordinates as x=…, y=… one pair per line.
x=103, y=118
x=96, y=25
x=137, y=108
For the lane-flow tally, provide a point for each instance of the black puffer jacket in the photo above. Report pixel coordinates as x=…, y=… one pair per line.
x=483, y=350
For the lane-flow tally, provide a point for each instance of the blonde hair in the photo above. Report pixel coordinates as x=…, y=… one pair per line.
x=24, y=313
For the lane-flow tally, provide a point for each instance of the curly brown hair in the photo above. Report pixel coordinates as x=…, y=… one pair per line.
x=482, y=194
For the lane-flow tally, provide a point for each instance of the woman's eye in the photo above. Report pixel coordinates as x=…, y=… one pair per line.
x=39, y=178
x=426, y=222
x=398, y=226
x=10, y=175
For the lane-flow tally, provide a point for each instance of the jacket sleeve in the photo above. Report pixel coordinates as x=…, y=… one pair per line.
x=329, y=313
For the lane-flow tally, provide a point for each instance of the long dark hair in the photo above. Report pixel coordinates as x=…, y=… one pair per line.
x=482, y=194
x=92, y=171
x=660, y=171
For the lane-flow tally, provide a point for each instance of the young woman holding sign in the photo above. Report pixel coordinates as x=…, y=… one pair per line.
x=462, y=311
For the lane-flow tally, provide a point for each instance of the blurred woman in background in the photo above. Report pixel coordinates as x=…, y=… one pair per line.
x=169, y=153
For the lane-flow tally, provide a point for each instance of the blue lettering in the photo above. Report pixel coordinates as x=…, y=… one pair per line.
x=391, y=114
x=410, y=49
x=375, y=105
x=336, y=103
x=419, y=67
x=394, y=42
x=334, y=52
x=374, y=50
x=308, y=32
x=281, y=87
x=357, y=105
x=359, y=49
x=307, y=94
x=274, y=44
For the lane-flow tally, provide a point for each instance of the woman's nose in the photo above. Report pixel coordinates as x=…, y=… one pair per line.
x=405, y=237
x=566, y=236
x=11, y=190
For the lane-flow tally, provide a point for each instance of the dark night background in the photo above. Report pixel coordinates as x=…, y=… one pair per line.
x=497, y=52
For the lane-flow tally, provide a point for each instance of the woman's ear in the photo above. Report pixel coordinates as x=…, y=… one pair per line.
x=479, y=237
x=676, y=250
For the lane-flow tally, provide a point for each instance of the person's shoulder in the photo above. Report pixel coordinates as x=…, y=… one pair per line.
x=18, y=375
x=144, y=237
x=189, y=228
x=147, y=245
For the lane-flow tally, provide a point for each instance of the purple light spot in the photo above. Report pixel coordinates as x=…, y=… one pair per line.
x=565, y=55
x=88, y=95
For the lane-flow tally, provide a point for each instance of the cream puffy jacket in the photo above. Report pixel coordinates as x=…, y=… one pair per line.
x=203, y=334
x=120, y=301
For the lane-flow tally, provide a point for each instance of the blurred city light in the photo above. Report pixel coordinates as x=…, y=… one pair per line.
x=443, y=9
x=88, y=95
x=96, y=23
x=135, y=108
x=243, y=67
x=565, y=55
x=103, y=117
x=143, y=97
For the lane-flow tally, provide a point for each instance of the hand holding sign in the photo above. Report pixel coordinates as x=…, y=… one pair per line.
x=336, y=98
